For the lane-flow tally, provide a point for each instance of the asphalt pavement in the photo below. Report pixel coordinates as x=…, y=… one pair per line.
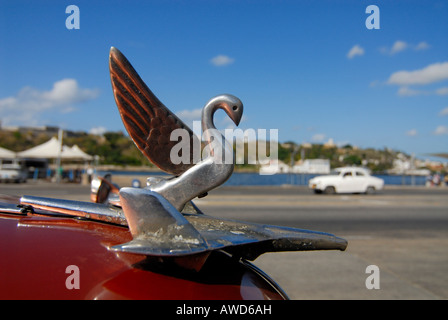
x=403, y=231
x=397, y=238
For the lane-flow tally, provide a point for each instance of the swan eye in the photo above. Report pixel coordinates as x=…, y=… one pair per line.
x=235, y=108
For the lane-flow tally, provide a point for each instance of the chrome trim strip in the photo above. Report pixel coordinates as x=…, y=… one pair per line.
x=96, y=211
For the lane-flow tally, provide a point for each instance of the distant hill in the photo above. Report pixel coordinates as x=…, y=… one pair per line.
x=116, y=148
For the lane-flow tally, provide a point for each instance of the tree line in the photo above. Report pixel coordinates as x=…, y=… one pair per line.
x=116, y=148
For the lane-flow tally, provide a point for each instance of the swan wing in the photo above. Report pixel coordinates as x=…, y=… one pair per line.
x=147, y=120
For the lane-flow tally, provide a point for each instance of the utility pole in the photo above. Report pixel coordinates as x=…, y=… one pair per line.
x=58, y=162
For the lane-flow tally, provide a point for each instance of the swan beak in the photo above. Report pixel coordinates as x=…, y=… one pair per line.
x=237, y=113
x=237, y=118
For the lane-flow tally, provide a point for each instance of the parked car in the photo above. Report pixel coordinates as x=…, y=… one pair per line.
x=12, y=173
x=346, y=180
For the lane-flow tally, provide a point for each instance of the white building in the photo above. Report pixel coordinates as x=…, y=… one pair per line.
x=274, y=166
x=320, y=166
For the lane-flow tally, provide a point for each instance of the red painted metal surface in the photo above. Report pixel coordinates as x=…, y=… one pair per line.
x=36, y=251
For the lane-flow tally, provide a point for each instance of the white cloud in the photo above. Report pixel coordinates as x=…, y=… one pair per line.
x=411, y=133
x=356, y=50
x=408, y=92
x=442, y=91
x=441, y=130
x=375, y=83
x=29, y=102
x=398, y=47
x=432, y=73
x=190, y=115
x=444, y=112
x=422, y=46
x=222, y=60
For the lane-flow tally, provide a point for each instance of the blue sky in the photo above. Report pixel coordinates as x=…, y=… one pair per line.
x=308, y=68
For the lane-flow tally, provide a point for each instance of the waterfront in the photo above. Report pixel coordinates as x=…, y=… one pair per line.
x=255, y=179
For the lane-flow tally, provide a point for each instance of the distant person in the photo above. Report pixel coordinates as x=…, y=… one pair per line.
x=77, y=175
x=90, y=174
x=429, y=181
x=436, y=179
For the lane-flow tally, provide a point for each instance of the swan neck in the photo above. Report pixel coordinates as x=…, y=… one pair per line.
x=207, y=117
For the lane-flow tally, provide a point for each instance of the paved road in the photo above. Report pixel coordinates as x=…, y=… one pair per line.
x=402, y=230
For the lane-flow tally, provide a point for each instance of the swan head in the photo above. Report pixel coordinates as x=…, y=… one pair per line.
x=229, y=103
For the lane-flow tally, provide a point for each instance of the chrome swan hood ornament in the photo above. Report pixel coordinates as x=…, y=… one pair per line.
x=150, y=124
x=161, y=217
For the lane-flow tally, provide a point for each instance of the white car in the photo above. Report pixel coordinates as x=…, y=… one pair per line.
x=346, y=180
x=12, y=173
